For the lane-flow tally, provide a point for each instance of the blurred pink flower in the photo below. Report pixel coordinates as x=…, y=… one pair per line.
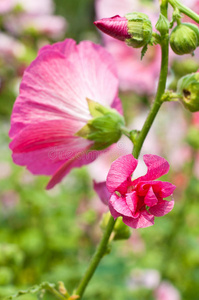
x=195, y=120
x=166, y=291
x=52, y=107
x=36, y=16
x=49, y=25
x=28, y=6
x=138, y=201
x=10, y=47
x=134, y=74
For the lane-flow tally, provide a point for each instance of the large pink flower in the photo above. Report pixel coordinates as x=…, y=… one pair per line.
x=138, y=201
x=52, y=107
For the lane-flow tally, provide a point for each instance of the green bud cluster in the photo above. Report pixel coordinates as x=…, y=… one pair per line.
x=188, y=87
x=184, y=38
x=140, y=29
x=105, y=127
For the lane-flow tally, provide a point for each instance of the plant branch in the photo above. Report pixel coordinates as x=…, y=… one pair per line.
x=160, y=91
x=185, y=10
x=99, y=253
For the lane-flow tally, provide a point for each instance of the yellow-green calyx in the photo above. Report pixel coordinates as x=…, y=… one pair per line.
x=105, y=127
x=140, y=29
x=184, y=38
x=188, y=87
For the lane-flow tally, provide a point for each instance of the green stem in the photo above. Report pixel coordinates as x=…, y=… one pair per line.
x=99, y=253
x=56, y=293
x=102, y=247
x=185, y=10
x=160, y=91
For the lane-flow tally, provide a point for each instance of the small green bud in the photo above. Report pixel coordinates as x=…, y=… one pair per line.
x=188, y=87
x=184, y=38
x=105, y=128
x=121, y=231
x=162, y=25
x=140, y=29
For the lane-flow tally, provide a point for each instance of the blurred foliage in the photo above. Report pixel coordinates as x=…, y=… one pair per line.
x=51, y=235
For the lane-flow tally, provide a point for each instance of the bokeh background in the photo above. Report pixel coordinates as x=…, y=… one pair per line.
x=51, y=235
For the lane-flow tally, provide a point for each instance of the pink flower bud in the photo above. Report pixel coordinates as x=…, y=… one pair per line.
x=115, y=27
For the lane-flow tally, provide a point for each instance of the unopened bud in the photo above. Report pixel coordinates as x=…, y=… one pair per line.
x=116, y=27
x=134, y=28
x=188, y=87
x=162, y=25
x=184, y=38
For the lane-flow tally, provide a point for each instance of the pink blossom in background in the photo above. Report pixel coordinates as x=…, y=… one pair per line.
x=49, y=25
x=52, y=107
x=140, y=200
x=36, y=16
x=28, y=6
x=134, y=74
x=10, y=47
x=166, y=291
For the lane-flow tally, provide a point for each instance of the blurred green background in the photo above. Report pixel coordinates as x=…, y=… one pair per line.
x=51, y=235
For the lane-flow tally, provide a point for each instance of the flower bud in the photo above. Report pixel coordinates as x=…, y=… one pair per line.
x=188, y=87
x=116, y=27
x=105, y=127
x=184, y=38
x=134, y=28
x=162, y=25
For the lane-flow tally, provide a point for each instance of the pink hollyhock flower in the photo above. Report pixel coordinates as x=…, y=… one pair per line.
x=52, y=107
x=142, y=199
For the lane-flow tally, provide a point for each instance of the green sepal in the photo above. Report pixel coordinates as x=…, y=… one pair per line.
x=140, y=29
x=96, y=109
x=104, y=129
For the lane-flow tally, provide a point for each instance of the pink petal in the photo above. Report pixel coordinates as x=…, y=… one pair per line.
x=66, y=48
x=132, y=202
x=161, y=188
x=150, y=199
x=46, y=146
x=101, y=190
x=157, y=166
x=85, y=157
x=119, y=176
x=162, y=208
x=119, y=206
x=144, y=220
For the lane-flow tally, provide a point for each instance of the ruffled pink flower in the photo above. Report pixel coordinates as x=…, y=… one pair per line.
x=142, y=199
x=52, y=107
